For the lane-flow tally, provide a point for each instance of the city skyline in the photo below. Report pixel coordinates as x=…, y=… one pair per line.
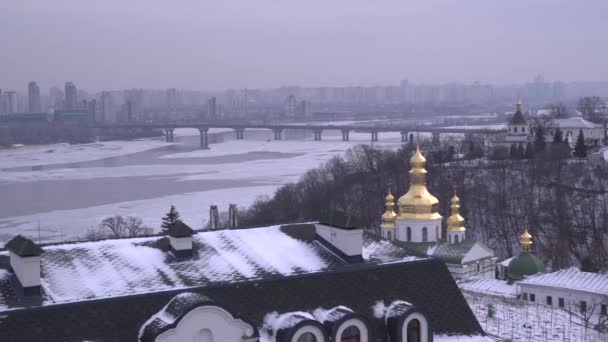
x=267, y=44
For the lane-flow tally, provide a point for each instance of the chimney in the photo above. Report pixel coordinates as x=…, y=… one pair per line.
x=347, y=242
x=214, y=218
x=180, y=239
x=25, y=263
x=232, y=217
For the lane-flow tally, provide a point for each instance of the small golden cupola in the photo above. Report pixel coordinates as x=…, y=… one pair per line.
x=418, y=203
x=525, y=240
x=389, y=216
x=456, y=229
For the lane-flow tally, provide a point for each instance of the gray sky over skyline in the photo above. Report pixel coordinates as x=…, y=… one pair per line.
x=205, y=45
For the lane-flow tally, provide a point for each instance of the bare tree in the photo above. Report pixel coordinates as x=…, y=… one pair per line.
x=590, y=107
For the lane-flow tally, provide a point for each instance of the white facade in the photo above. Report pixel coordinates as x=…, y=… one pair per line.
x=570, y=127
x=207, y=324
x=181, y=243
x=456, y=236
x=580, y=302
x=517, y=134
x=348, y=241
x=418, y=230
x=27, y=269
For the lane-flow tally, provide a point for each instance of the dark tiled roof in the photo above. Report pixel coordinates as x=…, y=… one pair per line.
x=23, y=247
x=425, y=283
x=180, y=229
x=518, y=119
x=122, y=267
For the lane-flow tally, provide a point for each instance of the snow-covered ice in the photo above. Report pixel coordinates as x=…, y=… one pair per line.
x=66, y=153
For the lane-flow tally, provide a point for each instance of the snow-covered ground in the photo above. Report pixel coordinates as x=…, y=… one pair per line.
x=515, y=320
x=286, y=162
x=65, y=153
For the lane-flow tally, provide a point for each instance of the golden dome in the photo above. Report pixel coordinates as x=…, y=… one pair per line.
x=418, y=203
x=455, y=221
x=525, y=240
x=389, y=216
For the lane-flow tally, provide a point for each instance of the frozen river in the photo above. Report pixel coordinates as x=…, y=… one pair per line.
x=61, y=191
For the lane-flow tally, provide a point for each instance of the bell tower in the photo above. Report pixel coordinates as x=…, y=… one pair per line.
x=456, y=229
x=418, y=219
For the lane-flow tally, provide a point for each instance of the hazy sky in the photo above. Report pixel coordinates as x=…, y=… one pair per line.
x=200, y=44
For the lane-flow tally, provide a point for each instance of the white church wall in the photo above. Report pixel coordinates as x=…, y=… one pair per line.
x=348, y=241
x=433, y=230
x=207, y=324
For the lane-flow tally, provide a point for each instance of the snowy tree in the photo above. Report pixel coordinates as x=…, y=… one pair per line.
x=558, y=137
x=170, y=218
x=580, y=149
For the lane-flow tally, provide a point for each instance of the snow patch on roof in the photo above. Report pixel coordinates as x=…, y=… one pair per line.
x=506, y=262
x=461, y=338
x=379, y=309
x=323, y=315
x=489, y=286
x=274, y=322
x=431, y=249
x=573, y=279
x=575, y=123
x=119, y=267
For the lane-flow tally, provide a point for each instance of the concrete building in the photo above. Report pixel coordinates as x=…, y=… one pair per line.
x=212, y=112
x=172, y=98
x=33, y=97
x=107, y=112
x=290, y=107
x=71, y=96
x=585, y=293
x=594, y=133
x=10, y=102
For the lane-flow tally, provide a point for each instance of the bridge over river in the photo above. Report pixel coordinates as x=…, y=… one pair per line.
x=406, y=131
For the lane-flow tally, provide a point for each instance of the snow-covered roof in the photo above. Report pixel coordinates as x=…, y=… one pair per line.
x=572, y=279
x=575, y=123
x=489, y=286
x=111, y=268
x=506, y=262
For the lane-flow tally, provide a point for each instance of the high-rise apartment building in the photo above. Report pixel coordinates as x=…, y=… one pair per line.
x=212, y=108
x=33, y=97
x=172, y=98
x=71, y=97
x=10, y=102
x=106, y=112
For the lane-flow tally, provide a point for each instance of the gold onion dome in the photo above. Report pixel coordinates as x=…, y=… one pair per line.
x=456, y=221
x=418, y=203
x=389, y=216
x=525, y=240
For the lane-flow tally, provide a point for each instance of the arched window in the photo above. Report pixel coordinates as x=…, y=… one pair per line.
x=389, y=235
x=409, y=234
x=351, y=334
x=456, y=238
x=413, y=331
x=425, y=234
x=450, y=238
x=437, y=235
x=307, y=337
x=205, y=335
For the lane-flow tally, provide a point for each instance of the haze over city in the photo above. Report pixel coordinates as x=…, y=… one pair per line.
x=256, y=44
x=304, y=171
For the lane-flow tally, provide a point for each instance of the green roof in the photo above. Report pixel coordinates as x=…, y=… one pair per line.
x=523, y=265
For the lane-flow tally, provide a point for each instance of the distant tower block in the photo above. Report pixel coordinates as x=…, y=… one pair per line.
x=214, y=218
x=232, y=216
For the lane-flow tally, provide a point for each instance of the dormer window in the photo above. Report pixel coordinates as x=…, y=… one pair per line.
x=351, y=334
x=515, y=129
x=307, y=337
